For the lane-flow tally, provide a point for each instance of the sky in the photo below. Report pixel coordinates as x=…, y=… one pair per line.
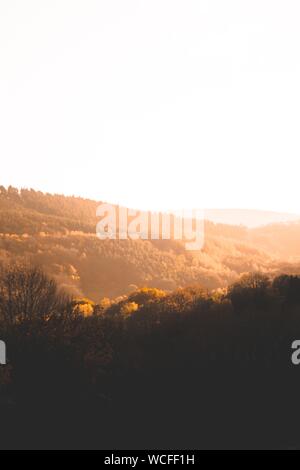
x=153, y=104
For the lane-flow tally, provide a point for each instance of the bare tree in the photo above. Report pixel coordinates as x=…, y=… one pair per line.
x=27, y=293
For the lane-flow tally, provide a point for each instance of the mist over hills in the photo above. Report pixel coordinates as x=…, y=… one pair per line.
x=58, y=234
x=249, y=218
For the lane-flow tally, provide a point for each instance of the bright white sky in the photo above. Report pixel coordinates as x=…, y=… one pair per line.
x=153, y=104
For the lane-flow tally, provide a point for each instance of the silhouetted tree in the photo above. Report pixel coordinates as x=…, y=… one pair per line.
x=27, y=293
x=288, y=288
x=251, y=290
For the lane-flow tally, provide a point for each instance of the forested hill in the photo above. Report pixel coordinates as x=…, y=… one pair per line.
x=58, y=234
x=32, y=212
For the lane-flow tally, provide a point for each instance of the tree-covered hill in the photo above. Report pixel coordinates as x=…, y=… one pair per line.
x=58, y=233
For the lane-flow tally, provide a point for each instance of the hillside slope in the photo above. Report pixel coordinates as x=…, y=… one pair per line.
x=58, y=233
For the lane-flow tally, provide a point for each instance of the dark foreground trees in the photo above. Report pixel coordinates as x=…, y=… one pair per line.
x=187, y=369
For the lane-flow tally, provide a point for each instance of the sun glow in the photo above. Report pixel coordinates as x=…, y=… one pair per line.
x=155, y=105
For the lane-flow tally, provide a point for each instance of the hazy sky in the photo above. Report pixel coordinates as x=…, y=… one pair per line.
x=153, y=104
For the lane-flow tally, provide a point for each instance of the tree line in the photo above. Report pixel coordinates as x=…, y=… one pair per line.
x=186, y=369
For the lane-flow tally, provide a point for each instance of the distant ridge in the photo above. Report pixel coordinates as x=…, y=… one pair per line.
x=249, y=218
